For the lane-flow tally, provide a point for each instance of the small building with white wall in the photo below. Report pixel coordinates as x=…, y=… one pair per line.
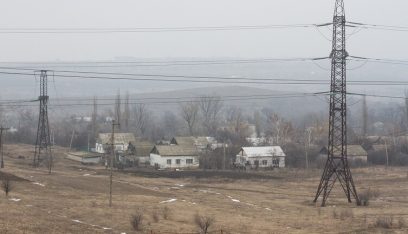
x=121, y=141
x=174, y=157
x=261, y=157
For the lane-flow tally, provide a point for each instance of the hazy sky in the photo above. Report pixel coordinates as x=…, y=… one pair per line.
x=179, y=13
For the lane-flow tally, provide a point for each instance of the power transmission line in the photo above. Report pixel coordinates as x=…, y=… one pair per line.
x=93, y=30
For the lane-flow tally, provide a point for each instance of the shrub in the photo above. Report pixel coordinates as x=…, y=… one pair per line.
x=383, y=222
x=343, y=214
x=137, y=221
x=155, y=216
x=6, y=185
x=365, y=196
x=167, y=213
x=203, y=223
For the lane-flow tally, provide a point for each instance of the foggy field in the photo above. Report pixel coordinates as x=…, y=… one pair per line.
x=75, y=200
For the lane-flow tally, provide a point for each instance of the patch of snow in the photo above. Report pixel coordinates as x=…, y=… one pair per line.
x=77, y=221
x=268, y=209
x=87, y=174
x=235, y=200
x=15, y=199
x=168, y=201
x=36, y=183
x=106, y=228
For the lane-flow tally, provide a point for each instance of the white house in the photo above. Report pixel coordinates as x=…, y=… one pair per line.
x=174, y=156
x=121, y=141
x=261, y=157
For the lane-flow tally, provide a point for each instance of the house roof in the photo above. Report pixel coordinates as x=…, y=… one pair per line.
x=120, y=138
x=378, y=147
x=265, y=151
x=193, y=141
x=184, y=141
x=356, y=150
x=174, y=150
x=352, y=150
x=142, y=148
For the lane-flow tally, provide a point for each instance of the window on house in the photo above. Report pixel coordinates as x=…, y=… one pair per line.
x=178, y=161
x=189, y=161
x=275, y=162
x=264, y=162
x=168, y=161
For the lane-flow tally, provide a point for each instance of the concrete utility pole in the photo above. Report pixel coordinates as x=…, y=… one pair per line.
x=112, y=160
x=2, y=129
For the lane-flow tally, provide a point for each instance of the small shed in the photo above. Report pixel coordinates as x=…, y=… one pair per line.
x=261, y=157
x=174, y=156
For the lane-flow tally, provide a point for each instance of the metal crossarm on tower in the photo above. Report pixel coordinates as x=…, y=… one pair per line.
x=337, y=167
x=43, y=142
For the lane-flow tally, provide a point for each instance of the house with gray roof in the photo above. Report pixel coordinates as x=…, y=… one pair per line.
x=174, y=157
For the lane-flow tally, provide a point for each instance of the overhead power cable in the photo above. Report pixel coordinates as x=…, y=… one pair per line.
x=205, y=79
x=377, y=26
x=92, y=30
x=181, y=100
x=192, y=62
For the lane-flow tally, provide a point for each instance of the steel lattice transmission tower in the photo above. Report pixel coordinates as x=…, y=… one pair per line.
x=337, y=167
x=43, y=142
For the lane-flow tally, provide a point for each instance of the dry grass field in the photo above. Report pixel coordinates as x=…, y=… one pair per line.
x=74, y=199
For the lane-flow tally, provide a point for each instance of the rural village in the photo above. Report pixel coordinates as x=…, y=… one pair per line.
x=161, y=145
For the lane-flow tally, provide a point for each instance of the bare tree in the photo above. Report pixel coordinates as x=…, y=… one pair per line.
x=140, y=117
x=210, y=108
x=204, y=223
x=118, y=114
x=189, y=113
x=6, y=185
x=365, y=116
x=126, y=113
x=257, y=120
x=170, y=124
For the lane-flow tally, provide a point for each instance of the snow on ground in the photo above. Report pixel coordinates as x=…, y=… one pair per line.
x=168, y=201
x=39, y=184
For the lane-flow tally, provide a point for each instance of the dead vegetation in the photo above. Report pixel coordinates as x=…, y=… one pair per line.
x=367, y=195
x=137, y=220
x=49, y=203
x=203, y=222
x=6, y=185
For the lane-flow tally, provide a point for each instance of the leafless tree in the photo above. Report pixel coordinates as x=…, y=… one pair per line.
x=118, y=114
x=365, y=116
x=126, y=113
x=170, y=124
x=204, y=223
x=257, y=121
x=6, y=185
x=141, y=117
x=210, y=108
x=189, y=112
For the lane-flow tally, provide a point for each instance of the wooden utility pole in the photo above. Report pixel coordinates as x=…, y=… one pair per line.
x=111, y=161
x=224, y=157
x=386, y=153
x=2, y=145
x=307, y=146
